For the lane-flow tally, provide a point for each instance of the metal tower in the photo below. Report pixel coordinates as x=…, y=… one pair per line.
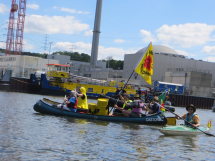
x=96, y=32
x=20, y=26
x=9, y=42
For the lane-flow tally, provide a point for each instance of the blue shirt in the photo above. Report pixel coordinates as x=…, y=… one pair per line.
x=72, y=100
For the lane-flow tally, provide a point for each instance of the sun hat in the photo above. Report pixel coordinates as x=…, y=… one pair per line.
x=191, y=105
x=156, y=99
x=126, y=95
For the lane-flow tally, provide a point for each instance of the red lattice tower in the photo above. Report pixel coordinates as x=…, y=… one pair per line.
x=9, y=42
x=20, y=26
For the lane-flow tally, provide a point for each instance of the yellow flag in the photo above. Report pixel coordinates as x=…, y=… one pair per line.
x=162, y=106
x=145, y=65
x=209, y=123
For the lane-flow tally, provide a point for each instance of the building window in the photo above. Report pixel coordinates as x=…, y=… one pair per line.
x=90, y=90
x=86, y=75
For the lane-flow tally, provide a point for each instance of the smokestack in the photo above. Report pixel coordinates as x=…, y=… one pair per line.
x=96, y=32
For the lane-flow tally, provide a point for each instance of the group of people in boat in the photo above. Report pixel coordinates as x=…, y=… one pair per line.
x=78, y=100
x=136, y=107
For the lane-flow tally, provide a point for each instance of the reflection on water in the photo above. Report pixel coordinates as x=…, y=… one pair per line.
x=27, y=135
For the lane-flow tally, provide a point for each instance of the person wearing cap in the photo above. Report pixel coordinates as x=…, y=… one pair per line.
x=136, y=108
x=139, y=92
x=146, y=96
x=155, y=108
x=125, y=99
x=191, y=116
x=70, y=103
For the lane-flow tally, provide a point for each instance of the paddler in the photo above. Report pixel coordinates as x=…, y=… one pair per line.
x=136, y=108
x=155, y=108
x=191, y=116
x=70, y=103
x=125, y=99
x=82, y=98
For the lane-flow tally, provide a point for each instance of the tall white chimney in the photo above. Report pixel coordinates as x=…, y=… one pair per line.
x=96, y=32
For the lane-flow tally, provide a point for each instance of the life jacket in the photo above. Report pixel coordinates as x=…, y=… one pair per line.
x=137, y=106
x=125, y=104
x=159, y=107
x=190, y=119
x=82, y=103
x=72, y=105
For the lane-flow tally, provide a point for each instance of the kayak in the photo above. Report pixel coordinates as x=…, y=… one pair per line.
x=183, y=130
x=49, y=107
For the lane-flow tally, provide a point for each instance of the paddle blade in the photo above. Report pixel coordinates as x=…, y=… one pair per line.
x=209, y=134
x=171, y=120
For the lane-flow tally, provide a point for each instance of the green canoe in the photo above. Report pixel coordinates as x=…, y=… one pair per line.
x=182, y=130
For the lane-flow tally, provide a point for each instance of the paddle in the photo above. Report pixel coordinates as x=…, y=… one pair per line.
x=189, y=123
x=113, y=107
x=62, y=104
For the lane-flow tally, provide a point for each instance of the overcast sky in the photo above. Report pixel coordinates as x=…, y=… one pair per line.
x=187, y=26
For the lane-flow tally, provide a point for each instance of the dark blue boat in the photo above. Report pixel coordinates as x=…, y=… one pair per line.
x=47, y=107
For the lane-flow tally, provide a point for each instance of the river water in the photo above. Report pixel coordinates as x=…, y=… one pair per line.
x=28, y=135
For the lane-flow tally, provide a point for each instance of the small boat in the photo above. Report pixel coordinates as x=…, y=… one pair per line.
x=182, y=130
x=49, y=107
x=59, y=81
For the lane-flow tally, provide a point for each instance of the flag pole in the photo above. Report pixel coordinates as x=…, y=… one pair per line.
x=128, y=79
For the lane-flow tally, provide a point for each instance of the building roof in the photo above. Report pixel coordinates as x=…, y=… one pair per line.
x=158, y=49
x=168, y=83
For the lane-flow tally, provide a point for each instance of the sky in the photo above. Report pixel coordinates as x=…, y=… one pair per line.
x=188, y=27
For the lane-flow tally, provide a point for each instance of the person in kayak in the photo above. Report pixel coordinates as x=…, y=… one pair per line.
x=155, y=108
x=125, y=99
x=117, y=93
x=82, y=98
x=70, y=103
x=191, y=116
x=139, y=92
x=136, y=108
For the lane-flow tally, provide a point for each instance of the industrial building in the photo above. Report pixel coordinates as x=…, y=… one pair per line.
x=23, y=66
x=171, y=67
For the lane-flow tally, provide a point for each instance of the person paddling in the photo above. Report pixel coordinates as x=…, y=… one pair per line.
x=70, y=103
x=155, y=108
x=125, y=99
x=136, y=108
x=191, y=116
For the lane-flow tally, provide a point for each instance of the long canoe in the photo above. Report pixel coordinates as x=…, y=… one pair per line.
x=182, y=130
x=47, y=107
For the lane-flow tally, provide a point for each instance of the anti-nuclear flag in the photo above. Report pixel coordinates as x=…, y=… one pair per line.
x=145, y=65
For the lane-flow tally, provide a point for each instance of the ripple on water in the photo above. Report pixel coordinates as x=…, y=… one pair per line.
x=27, y=135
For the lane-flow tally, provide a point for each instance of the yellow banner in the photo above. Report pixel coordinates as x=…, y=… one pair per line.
x=145, y=66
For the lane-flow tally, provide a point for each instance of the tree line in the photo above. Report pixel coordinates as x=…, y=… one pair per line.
x=115, y=64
